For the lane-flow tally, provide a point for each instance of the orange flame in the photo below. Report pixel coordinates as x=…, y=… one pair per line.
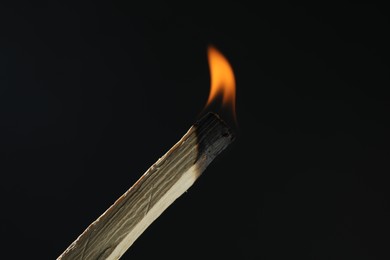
x=222, y=80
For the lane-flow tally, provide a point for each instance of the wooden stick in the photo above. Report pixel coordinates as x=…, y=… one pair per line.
x=115, y=230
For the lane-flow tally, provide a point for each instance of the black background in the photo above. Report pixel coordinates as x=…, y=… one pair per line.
x=92, y=94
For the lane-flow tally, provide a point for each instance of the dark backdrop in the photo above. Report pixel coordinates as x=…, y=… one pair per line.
x=92, y=94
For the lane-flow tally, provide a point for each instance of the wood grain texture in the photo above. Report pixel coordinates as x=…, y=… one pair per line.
x=116, y=229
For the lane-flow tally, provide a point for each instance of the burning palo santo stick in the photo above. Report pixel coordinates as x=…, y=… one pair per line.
x=119, y=226
x=116, y=230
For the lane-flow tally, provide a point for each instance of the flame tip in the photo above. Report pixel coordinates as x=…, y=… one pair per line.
x=222, y=79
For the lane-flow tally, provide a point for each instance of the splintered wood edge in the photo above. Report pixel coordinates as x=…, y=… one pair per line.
x=119, y=226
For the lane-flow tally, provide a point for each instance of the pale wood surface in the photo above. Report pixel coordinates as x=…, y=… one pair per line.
x=116, y=229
